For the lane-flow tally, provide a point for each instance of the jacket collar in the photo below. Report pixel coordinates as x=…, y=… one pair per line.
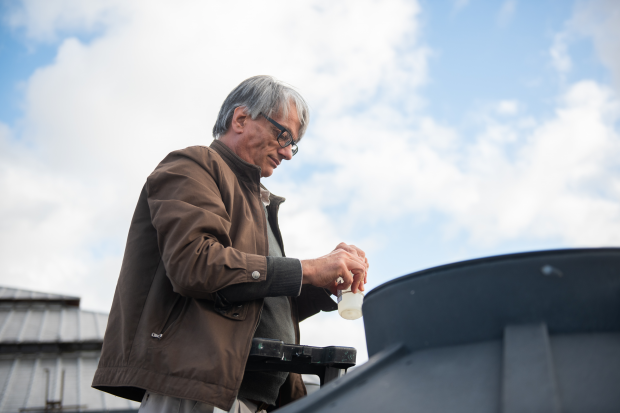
x=272, y=197
x=243, y=170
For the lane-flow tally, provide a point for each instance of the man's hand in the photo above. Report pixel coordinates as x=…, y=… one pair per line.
x=346, y=261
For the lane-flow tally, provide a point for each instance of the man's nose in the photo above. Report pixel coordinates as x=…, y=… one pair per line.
x=286, y=153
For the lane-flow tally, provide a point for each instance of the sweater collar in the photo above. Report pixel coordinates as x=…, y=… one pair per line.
x=268, y=197
x=243, y=170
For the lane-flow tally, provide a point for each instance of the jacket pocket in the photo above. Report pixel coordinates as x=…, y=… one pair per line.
x=171, y=319
x=233, y=311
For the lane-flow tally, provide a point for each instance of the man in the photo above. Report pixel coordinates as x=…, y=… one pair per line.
x=204, y=269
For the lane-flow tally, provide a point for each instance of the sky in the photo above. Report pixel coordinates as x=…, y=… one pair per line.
x=440, y=131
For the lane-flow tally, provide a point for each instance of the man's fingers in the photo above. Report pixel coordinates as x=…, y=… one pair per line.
x=358, y=267
x=353, y=256
x=357, y=282
x=346, y=266
x=332, y=287
x=346, y=277
x=352, y=249
x=359, y=252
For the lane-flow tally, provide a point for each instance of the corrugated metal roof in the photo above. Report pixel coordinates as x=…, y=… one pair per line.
x=7, y=293
x=16, y=295
x=23, y=382
x=42, y=332
x=44, y=323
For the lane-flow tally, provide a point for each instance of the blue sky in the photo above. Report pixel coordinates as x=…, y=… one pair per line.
x=440, y=131
x=480, y=59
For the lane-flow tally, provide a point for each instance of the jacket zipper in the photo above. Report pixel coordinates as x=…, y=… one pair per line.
x=163, y=329
x=260, y=313
x=262, y=208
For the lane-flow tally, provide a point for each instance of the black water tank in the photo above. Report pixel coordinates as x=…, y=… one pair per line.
x=531, y=332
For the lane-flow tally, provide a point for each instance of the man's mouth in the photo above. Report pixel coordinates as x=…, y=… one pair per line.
x=275, y=161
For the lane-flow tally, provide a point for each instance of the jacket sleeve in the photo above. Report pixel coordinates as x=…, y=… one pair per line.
x=313, y=300
x=193, y=226
x=284, y=278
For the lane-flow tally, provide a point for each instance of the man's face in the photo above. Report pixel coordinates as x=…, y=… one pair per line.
x=260, y=146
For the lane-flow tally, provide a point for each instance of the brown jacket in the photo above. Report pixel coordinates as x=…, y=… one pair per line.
x=199, y=226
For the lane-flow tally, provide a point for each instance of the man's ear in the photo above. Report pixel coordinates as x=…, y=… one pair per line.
x=240, y=117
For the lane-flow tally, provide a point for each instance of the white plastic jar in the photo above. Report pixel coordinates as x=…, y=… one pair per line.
x=349, y=304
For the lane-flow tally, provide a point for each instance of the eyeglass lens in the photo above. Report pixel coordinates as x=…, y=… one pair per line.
x=285, y=139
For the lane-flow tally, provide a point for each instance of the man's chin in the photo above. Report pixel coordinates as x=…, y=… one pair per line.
x=266, y=172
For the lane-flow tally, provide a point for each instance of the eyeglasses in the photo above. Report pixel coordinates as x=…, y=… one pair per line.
x=285, y=138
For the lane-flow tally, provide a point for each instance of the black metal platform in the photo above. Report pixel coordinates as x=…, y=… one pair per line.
x=326, y=362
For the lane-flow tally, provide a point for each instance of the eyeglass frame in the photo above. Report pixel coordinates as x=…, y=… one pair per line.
x=282, y=130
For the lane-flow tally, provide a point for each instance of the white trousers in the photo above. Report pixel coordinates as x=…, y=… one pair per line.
x=158, y=403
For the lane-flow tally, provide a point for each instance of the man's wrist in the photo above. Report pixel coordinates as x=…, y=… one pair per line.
x=286, y=276
x=307, y=270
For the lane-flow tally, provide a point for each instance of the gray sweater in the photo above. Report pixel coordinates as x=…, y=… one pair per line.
x=275, y=322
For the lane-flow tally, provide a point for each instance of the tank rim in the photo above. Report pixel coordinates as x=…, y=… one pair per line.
x=485, y=260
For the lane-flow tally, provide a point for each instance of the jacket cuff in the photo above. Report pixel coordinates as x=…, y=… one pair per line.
x=286, y=276
x=313, y=300
x=256, y=267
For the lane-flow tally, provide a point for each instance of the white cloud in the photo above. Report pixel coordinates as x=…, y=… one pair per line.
x=556, y=178
x=103, y=114
x=508, y=107
x=600, y=19
x=559, y=54
x=45, y=21
x=458, y=5
x=506, y=12
x=560, y=181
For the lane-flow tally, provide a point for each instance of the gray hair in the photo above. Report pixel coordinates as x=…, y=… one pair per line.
x=262, y=94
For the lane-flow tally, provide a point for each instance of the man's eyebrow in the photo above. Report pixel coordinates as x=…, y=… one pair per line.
x=290, y=133
x=292, y=136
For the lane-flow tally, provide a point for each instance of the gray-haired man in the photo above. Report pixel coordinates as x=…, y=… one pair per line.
x=204, y=269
